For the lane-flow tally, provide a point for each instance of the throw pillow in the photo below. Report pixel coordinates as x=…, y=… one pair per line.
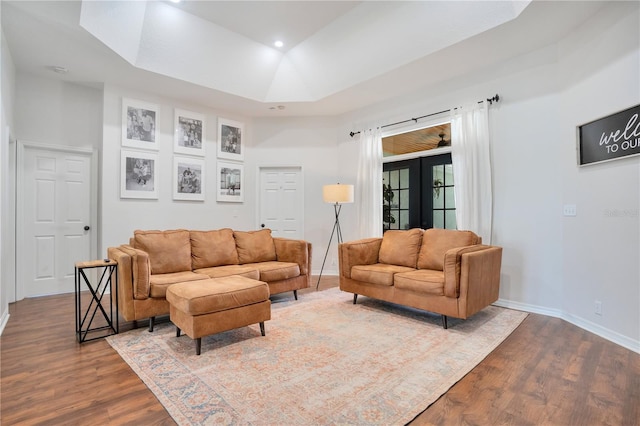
x=169, y=251
x=255, y=246
x=436, y=242
x=400, y=247
x=213, y=248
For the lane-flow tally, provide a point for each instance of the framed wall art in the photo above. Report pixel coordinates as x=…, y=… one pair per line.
x=230, y=142
x=609, y=138
x=230, y=182
x=139, y=120
x=138, y=174
x=188, y=178
x=189, y=133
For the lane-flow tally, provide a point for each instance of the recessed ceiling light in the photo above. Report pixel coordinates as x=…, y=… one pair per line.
x=278, y=43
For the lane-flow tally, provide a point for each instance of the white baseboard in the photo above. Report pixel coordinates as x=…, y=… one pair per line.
x=534, y=309
x=605, y=333
x=3, y=320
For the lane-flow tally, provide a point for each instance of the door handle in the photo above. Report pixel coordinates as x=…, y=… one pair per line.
x=87, y=227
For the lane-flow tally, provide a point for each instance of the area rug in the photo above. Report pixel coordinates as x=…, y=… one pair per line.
x=323, y=361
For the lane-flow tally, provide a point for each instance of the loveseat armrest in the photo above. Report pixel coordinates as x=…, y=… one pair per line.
x=358, y=252
x=294, y=251
x=453, y=267
x=479, y=278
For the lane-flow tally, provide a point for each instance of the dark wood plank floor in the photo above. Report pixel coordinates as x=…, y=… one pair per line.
x=547, y=372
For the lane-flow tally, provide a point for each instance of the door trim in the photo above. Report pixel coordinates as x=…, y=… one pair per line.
x=260, y=169
x=22, y=146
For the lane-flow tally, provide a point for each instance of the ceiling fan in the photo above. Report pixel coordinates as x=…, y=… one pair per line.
x=442, y=142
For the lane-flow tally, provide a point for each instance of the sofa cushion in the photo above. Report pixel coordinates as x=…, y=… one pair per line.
x=436, y=242
x=276, y=271
x=401, y=247
x=160, y=282
x=169, y=251
x=421, y=281
x=255, y=246
x=213, y=248
x=378, y=273
x=247, y=271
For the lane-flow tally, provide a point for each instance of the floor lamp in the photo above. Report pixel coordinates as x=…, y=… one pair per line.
x=336, y=195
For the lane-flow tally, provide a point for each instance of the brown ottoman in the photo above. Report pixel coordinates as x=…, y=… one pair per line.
x=204, y=307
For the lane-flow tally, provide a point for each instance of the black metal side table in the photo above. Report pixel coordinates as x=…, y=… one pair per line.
x=85, y=317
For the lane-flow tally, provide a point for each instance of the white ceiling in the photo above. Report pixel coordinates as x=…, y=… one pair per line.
x=338, y=55
x=267, y=21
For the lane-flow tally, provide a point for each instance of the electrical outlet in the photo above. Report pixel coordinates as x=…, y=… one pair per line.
x=569, y=210
x=598, y=307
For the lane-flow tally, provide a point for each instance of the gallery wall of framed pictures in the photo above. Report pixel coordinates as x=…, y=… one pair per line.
x=141, y=150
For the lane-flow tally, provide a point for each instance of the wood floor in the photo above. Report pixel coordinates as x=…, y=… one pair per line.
x=547, y=372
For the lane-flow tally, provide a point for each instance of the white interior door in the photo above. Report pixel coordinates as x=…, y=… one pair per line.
x=282, y=201
x=54, y=218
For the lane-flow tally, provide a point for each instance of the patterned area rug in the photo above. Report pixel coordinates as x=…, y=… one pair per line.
x=323, y=361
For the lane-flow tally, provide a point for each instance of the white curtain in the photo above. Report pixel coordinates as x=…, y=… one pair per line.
x=471, y=158
x=369, y=184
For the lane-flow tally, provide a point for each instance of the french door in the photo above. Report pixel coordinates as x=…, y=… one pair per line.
x=419, y=193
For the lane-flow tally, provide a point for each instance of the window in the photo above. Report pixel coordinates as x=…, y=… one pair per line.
x=419, y=192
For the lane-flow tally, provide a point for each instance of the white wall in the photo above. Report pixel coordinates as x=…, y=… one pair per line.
x=600, y=71
x=553, y=264
x=7, y=198
x=52, y=111
x=121, y=216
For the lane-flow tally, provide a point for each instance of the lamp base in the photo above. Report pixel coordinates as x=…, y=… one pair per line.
x=336, y=229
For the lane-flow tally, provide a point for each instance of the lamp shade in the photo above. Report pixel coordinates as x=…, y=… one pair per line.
x=338, y=194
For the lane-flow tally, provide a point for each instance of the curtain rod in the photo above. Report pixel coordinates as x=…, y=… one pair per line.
x=491, y=100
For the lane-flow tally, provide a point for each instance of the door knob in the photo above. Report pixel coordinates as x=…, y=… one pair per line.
x=262, y=225
x=87, y=227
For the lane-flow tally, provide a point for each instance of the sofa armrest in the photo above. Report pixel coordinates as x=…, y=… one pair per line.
x=479, y=278
x=138, y=281
x=294, y=251
x=359, y=252
x=125, y=281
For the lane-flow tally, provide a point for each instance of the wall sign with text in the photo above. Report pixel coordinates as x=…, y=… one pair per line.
x=610, y=138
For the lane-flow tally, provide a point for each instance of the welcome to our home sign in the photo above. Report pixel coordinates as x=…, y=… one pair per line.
x=610, y=138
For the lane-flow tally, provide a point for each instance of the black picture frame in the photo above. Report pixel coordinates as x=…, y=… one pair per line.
x=609, y=138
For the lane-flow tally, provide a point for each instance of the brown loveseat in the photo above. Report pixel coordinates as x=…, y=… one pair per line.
x=155, y=260
x=444, y=271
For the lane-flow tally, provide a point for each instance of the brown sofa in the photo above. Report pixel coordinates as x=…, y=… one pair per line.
x=155, y=260
x=443, y=271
